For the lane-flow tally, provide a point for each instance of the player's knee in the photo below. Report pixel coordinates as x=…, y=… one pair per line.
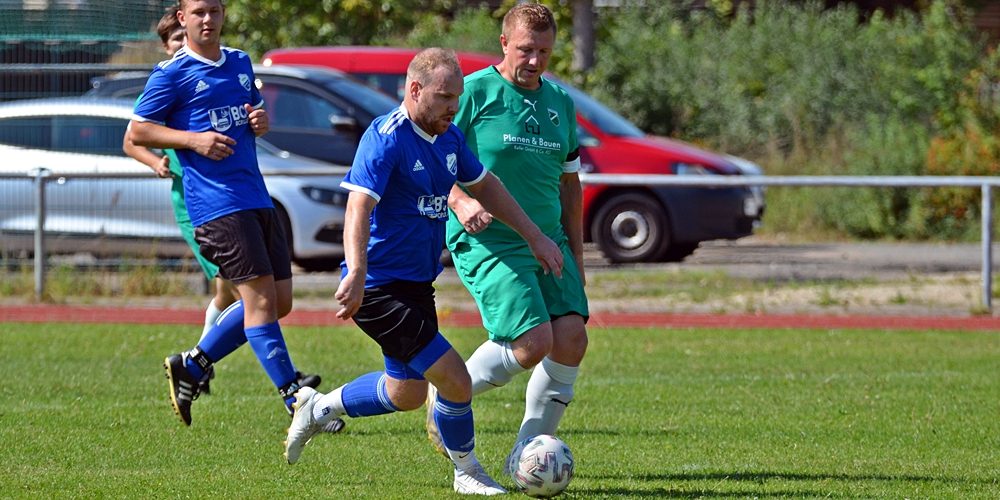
x=409, y=400
x=284, y=307
x=531, y=347
x=457, y=387
x=570, y=339
x=572, y=345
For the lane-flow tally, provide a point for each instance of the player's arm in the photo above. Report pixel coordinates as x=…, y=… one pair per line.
x=471, y=214
x=494, y=197
x=159, y=165
x=571, y=199
x=209, y=144
x=357, y=231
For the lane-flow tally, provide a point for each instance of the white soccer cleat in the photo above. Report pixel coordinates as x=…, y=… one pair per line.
x=475, y=481
x=304, y=426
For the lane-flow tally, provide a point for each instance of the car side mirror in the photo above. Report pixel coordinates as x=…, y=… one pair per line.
x=345, y=124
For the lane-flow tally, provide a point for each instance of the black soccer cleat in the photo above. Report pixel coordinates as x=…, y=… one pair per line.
x=183, y=386
x=312, y=380
x=203, y=387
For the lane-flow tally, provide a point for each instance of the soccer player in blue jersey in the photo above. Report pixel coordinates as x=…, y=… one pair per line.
x=394, y=231
x=203, y=104
x=168, y=167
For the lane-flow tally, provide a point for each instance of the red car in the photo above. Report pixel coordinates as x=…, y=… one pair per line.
x=628, y=223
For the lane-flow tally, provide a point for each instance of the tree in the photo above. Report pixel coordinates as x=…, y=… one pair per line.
x=583, y=35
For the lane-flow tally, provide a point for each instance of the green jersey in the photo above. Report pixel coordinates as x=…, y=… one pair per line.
x=527, y=138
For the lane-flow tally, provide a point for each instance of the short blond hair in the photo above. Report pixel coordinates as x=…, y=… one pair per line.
x=427, y=61
x=534, y=16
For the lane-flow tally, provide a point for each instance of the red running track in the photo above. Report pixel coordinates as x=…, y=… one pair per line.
x=307, y=317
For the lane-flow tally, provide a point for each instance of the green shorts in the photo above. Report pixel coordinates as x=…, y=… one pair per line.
x=187, y=230
x=512, y=292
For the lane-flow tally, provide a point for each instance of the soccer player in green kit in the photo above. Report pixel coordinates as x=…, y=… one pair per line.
x=523, y=129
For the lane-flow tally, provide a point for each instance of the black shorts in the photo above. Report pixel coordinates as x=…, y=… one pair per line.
x=400, y=316
x=245, y=245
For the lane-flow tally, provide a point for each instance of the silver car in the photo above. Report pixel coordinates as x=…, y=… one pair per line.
x=106, y=216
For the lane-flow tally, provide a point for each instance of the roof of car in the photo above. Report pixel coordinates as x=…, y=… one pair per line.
x=83, y=106
x=367, y=59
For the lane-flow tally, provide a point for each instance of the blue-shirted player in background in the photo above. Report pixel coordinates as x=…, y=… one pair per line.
x=203, y=103
x=405, y=167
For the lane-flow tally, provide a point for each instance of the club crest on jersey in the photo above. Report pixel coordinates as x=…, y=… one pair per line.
x=225, y=117
x=452, y=160
x=245, y=81
x=554, y=116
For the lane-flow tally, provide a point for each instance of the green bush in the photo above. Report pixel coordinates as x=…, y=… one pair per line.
x=804, y=90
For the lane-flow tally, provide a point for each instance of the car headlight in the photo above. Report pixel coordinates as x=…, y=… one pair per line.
x=325, y=196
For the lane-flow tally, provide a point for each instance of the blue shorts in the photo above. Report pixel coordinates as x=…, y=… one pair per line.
x=414, y=370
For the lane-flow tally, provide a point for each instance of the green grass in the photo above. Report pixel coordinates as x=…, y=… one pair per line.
x=658, y=414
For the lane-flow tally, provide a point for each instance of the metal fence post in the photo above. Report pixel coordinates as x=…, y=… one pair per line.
x=987, y=239
x=40, y=175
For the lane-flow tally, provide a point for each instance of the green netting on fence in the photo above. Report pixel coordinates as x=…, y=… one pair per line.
x=83, y=21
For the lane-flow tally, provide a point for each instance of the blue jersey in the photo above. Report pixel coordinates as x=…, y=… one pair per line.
x=189, y=92
x=409, y=174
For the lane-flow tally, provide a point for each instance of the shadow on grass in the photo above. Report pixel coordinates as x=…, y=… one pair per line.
x=671, y=493
x=754, y=477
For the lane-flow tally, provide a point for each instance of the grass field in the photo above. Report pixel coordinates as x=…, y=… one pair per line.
x=658, y=414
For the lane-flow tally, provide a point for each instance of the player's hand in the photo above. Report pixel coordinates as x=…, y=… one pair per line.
x=471, y=214
x=259, y=122
x=213, y=145
x=548, y=254
x=162, y=169
x=349, y=294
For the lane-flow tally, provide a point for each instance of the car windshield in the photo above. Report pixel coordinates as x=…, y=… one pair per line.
x=372, y=101
x=608, y=121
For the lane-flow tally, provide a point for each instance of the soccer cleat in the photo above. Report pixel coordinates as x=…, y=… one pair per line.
x=509, y=464
x=433, y=433
x=334, y=426
x=183, y=386
x=475, y=481
x=311, y=380
x=203, y=387
x=304, y=426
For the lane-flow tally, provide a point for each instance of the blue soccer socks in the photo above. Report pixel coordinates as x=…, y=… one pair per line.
x=269, y=346
x=225, y=336
x=366, y=396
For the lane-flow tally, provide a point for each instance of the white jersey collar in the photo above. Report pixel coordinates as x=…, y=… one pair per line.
x=219, y=63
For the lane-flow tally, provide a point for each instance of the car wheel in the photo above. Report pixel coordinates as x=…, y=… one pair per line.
x=631, y=227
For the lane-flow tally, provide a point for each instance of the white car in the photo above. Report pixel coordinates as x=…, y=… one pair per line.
x=110, y=216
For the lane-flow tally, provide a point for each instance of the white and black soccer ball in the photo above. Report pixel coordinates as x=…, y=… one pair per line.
x=541, y=466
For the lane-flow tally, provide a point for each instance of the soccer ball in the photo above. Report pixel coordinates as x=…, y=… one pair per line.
x=541, y=466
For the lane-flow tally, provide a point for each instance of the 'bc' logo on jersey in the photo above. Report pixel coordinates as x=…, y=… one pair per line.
x=433, y=207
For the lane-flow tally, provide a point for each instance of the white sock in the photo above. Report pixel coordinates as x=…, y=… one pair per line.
x=549, y=392
x=463, y=461
x=491, y=366
x=212, y=313
x=329, y=406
